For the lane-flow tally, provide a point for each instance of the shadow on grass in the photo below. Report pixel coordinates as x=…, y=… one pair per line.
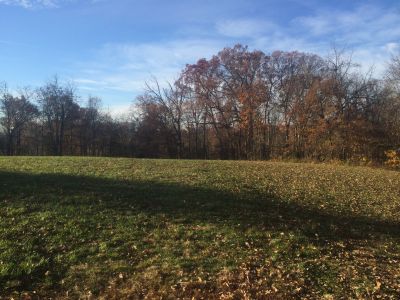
x=182, y=204
x=189, y=204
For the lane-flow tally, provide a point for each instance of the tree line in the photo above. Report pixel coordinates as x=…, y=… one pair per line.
x=239, y=104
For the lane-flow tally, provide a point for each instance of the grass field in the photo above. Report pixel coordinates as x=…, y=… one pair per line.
x=113, y=228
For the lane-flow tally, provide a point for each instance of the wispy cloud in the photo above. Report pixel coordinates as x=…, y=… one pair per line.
x=366, y=23
x=237, y=28
x=371, y=33
x=37, y=4
x=30, y=3
x=126, y=67
x=392, y=48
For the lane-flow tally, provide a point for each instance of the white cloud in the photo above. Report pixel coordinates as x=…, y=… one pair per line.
x=121, y=111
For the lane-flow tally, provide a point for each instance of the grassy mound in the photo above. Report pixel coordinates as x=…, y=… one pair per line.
x=113, y=228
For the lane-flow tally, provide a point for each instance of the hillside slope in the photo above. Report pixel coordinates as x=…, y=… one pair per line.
x=106, y=227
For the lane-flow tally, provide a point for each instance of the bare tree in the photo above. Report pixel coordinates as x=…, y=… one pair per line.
x=90, y=124
x=172, y=100
x=393, y=72
x=16, y=113
x=58, y=108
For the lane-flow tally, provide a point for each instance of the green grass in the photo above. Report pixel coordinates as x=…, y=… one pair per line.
x=113, y=228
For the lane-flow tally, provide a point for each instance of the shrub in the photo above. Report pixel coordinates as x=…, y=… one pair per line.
x=393, y=158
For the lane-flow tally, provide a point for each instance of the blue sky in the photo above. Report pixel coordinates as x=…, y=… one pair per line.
x=109, y=48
